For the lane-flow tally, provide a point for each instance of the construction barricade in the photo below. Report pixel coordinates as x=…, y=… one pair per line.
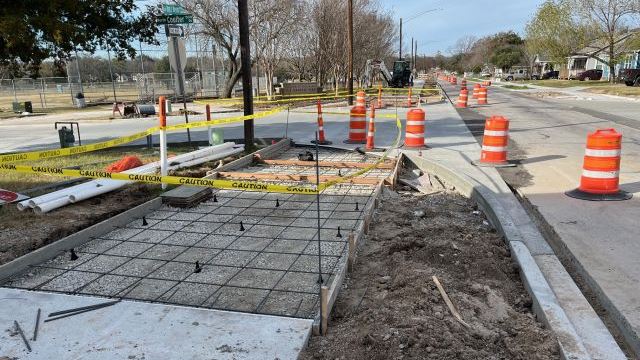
x=494, y=143
x=357, y=125
x=414, y=136
x=601, y=168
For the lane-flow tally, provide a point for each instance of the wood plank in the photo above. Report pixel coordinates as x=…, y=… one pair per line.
x=336, y=164
x=285, y=177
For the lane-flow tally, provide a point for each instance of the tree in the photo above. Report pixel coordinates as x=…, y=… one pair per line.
x=32, y=31
x=218, y=20
x=272, y=32
x=555, y=32
x=610, y=19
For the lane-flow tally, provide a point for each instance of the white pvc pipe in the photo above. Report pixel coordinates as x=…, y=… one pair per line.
x=33, y=202
x=163, y=155
x=56, y=199
x=51, y=205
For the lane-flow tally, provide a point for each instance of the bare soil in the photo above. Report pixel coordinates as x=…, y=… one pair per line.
x=23, y=232
x=390, y=308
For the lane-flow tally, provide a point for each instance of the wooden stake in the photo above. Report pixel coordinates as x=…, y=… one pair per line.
x=324, y=299
x=352, y=252
x=452, y=308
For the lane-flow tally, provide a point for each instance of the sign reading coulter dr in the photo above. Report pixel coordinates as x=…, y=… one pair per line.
x=7, y=197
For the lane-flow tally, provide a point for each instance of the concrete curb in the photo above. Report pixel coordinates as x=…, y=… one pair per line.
x=581, y=333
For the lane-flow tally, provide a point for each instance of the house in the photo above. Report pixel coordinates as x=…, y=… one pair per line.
x=595, y=56
x=631, y=60
x=541, y=64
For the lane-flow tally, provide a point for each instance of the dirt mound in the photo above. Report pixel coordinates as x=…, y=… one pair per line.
x=391, y=308
x=23, y=232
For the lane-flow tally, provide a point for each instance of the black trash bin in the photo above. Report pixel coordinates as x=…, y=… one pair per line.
x=28, y=107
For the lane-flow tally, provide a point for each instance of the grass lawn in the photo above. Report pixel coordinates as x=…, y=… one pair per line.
x=561, y=83
x=516, y=87
x=619, y=89
x=97, y=160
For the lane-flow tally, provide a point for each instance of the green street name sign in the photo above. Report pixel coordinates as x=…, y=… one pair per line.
x=173, y=9
x=175, y=19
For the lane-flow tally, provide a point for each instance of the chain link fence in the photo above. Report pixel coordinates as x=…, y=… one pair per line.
x=61, y=92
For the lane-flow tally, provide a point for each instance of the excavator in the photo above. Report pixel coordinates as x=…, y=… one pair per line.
x=401, y=76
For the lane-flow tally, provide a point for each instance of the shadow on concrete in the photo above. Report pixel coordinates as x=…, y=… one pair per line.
x=557, y=126
x=633, y=187
x=538, y=159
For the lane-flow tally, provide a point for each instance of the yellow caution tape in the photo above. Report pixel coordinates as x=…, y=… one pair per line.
x=228, y=120
x=45, y=154
x=38, y=155
x=384, y=156
x=157, y=179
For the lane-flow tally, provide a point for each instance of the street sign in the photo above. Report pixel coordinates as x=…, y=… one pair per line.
x=173, y=9
x=182, y=54
x=7, y=197
x=174, y=30
x=175, y=19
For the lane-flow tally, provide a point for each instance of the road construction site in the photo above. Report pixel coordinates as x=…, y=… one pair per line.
x=398, y=251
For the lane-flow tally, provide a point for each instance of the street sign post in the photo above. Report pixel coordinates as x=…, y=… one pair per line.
x=173, y=9
x=174, y=30
x=173, y=15
x=175, y=19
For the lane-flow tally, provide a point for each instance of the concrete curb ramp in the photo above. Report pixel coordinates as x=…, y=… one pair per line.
x=557, y=301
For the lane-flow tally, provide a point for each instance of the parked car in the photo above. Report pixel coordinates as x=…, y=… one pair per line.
x=515, y=74
x=630, y=77
x=593, y=74
x=549, y=75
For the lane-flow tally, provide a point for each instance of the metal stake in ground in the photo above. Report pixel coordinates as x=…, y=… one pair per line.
x=320, y=280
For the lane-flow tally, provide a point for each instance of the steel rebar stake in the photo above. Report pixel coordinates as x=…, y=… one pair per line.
x=320, y=280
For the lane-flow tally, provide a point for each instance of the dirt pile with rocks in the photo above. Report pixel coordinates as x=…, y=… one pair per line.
x=390, y=308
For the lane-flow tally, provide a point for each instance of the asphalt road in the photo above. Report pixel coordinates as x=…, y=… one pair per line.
x=600, y=239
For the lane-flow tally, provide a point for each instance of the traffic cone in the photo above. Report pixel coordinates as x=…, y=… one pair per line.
x=494, y=143
x=463, y=83
x=361, y=99
x=357, y=125
x=463, y=98
x=476, y=87
x=601, y=168
x=414, y=135
x=409, y=102
x=482, y=96
x=321, y=138
x=380, y=103
x=372, y=129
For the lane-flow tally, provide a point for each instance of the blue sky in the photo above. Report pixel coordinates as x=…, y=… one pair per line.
x=440, y=30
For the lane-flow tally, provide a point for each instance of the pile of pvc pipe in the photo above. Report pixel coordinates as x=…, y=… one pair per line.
x=45, y=203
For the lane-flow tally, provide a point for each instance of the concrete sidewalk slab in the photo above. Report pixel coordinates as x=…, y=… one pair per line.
x=135, y=330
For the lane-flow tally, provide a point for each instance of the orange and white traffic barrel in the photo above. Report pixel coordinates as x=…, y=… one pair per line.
x=454, y=80
x=361, y=99
x=372, y=129
x=476, y=87
x=321, y=139
x=414, y=136
x=357, y=125
x=482, y=96
x=494, y=143
x=463, y=98
x=601, y=168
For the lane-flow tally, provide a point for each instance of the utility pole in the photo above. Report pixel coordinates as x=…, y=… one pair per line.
x=144, y=77
x=350, y=44
x=245, y=58
x=78, y=71
x=400, y=57
x=411, y=58
x=113, y=85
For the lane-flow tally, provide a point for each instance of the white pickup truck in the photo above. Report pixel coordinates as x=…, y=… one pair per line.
x=515, y=74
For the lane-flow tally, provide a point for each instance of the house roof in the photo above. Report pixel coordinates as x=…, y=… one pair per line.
x=600, y=45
